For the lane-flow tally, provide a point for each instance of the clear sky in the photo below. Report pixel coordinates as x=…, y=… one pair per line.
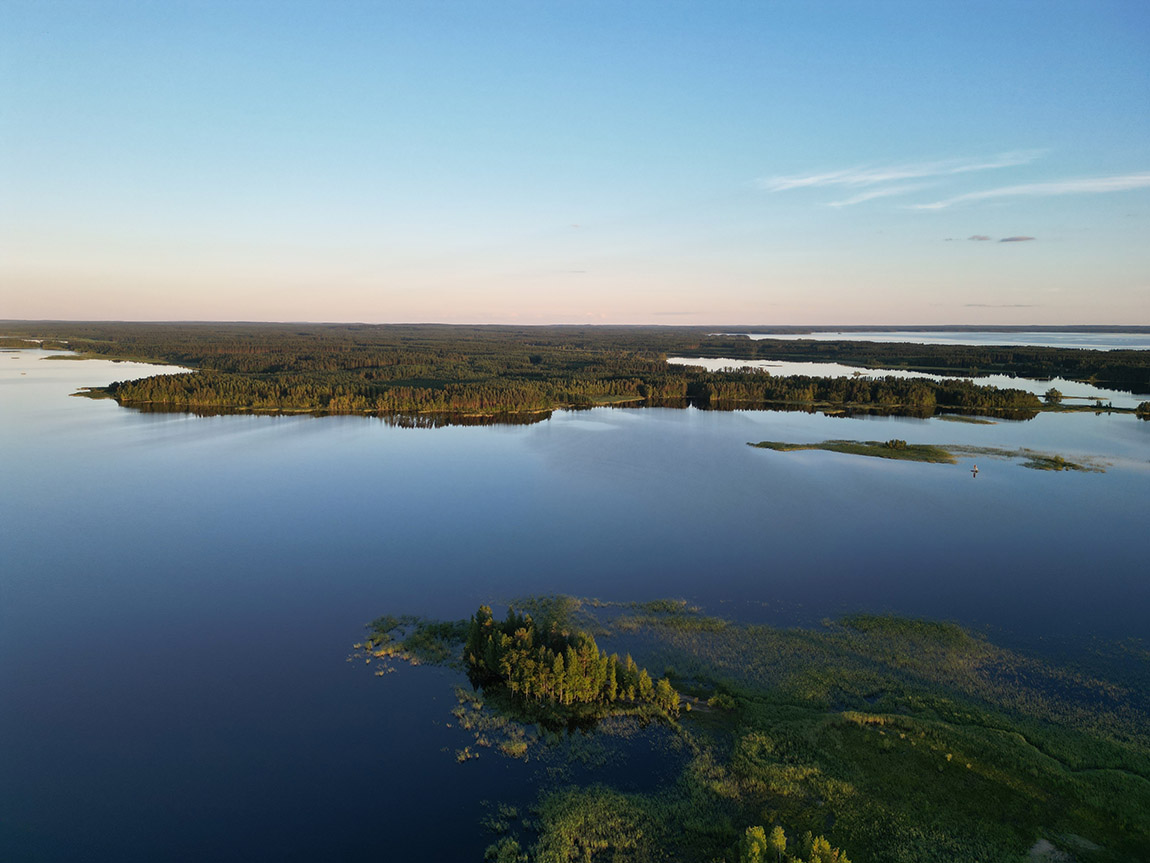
x=662, y=162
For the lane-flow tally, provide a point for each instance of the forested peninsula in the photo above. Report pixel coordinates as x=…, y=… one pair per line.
x=420, y=370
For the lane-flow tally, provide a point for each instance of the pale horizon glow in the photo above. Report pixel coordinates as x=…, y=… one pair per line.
x=695, y=163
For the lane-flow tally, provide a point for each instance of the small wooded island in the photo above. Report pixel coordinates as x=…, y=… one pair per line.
x=874, y=737
x=554, y=673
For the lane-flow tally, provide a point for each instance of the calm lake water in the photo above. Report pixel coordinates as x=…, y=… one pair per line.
x=1089, y=341
x=179, y=594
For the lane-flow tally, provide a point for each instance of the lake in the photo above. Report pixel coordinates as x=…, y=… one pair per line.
x=180, y=594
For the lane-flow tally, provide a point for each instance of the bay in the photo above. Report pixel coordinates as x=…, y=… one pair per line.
x=179, y=594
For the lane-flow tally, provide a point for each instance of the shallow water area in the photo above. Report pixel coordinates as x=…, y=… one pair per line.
x=180, y=594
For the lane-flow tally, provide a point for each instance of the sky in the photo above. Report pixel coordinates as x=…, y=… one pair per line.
x=771, y=162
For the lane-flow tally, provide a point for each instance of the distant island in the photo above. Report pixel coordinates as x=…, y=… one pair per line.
x=868, y=738
x=525, y=372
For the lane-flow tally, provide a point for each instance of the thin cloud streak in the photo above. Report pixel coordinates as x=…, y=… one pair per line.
x=1089, y=186
x=861, y=176
x=877, y=193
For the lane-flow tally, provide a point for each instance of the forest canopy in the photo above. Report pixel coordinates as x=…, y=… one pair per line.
x=422, y=369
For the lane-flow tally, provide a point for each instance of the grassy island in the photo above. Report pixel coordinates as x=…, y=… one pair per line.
x=893, y=449
x=873, y=738
x=900, y=450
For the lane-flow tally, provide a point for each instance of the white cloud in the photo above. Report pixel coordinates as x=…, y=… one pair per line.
x=1092, y=185
x=886, y=192
x=873, y=176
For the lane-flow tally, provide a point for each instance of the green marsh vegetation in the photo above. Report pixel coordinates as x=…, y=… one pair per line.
x=960, y=418
x=413, y=638
x=871, y=737
x=508, y=371
x=900, y=450
x=892, y=449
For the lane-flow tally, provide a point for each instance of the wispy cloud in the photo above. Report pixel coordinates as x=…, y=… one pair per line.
x=1088, y=186
x=983, y=238
x=1001, y=306
x=873, y=176
x=870, y=195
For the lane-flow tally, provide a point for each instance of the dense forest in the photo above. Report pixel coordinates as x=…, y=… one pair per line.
x=1127, y=370
x=437, y=355
x=557, y=665
x=358, y=392
x=471, y=370
x=552, y=670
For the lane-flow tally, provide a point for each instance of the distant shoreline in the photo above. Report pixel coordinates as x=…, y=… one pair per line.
x=1140, y=329
x=485, y=371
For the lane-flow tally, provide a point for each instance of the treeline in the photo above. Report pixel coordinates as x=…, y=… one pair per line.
x=1127, y=370
x=349, y=393
x=423, y=369
x=918, y=395
x=389, y=352
x=561, y=667
x=757, y=846
x=398, y=351
x=7, y=342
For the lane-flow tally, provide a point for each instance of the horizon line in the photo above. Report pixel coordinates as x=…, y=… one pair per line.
x=756, y=327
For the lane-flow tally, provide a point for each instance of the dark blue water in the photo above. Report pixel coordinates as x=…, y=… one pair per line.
x=179, y=595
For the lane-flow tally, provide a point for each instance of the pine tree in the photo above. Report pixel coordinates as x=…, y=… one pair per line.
x=778, y=841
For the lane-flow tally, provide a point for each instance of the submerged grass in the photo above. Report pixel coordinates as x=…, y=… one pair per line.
x=1032, y=458
x=414, y=639
x=922, y=741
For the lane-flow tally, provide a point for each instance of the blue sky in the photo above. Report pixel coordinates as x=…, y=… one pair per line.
x=669, y=162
